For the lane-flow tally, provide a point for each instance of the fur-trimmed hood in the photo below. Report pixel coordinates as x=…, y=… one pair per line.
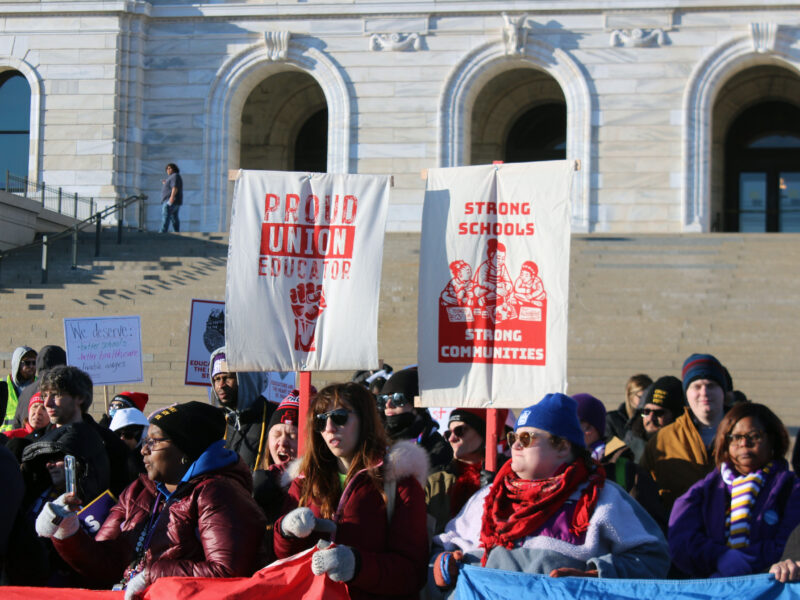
x=404, y=459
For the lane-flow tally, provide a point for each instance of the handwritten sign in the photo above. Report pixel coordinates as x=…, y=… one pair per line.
x=109, y=349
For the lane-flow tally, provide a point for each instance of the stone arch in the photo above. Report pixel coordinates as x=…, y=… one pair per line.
x=9, y=63
x=705, y=83
x=477, y=68
x=235, y=79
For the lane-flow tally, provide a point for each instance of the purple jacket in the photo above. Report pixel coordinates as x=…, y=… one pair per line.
x=697, y=525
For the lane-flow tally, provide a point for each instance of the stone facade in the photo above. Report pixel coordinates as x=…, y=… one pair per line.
x=121, y=87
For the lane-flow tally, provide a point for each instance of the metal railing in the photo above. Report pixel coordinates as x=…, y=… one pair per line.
x=51, y=198
x=96, y=219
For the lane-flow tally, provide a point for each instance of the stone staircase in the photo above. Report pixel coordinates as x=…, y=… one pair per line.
x=638, y=303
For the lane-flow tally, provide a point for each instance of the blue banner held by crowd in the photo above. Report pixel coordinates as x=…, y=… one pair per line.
x=476, y=583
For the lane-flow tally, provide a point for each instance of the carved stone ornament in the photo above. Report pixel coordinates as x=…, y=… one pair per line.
x=764, y=36
x=637, y=38
x=277, y=43
x=515, y=34
x=395, y=42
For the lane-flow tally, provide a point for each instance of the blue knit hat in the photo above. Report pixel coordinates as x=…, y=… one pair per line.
x=703, y=366
x=557, y=414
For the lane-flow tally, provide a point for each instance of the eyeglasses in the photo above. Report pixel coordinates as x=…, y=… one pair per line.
x=398, y=399
x=28, y=363
x=457, y=431
x=339, y=417
x=656, y=412
x=152, y=441
x=750, y=439
x=525, y=438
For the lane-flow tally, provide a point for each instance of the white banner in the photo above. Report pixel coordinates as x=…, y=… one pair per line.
x=304, y=271
x=206, y=334
x=494, y=284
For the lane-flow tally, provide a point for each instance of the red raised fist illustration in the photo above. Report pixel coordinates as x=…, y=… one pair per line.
x=308, y=302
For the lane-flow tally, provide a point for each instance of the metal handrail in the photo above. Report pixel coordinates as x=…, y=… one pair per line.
x=73, y=230
x=51, y=198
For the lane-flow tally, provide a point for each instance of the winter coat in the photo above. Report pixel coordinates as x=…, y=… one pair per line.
x=622, y=541
x=392, y=553
x=210, y=526
x=78, y=439
x=698, y=533
x=117, y=451
x=617, y=422
x=677, y=458
x=438, y=495
x=620, y=468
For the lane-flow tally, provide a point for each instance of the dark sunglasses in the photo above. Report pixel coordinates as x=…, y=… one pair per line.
x=458, y=431
x=130, y=433
x=398, y=399
x=656, y=412
x=525, y=438
x=339, y=417
x=28, y=363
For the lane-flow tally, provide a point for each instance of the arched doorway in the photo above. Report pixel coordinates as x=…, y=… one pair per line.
x=15, y=116
x=762, y=161
x=285, y=125
x=519, y=116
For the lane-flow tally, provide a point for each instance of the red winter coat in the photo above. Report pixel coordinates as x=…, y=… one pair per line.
x=393, y=556
x=213, y=528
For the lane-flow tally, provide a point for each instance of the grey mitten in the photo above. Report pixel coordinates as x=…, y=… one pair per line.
x=136, y=585
x=338, y=562
x=57, y=520
x=300, y=522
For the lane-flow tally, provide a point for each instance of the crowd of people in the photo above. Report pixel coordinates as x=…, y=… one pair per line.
x=687, y=478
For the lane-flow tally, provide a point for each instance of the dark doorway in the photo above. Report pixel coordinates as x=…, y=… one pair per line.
x=311, y=147
x=539, y=134
x=762, y=165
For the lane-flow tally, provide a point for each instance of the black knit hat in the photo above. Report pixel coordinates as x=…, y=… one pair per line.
x=667, y=392
x=405, y=382
x=192, y=426
x=474, y=417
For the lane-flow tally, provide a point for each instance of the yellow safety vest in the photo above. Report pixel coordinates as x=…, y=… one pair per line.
x=11, y=407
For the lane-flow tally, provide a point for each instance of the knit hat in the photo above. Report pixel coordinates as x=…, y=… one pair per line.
x=557, y=414
x=192, y=426
x=703, y=366
x=591, y=410
x=133, y=399
x=405, y=381
x=288, y=410
x=474, y=417
x=667, y=392
x=220, y=364
x=37, y=397
x=125, y=417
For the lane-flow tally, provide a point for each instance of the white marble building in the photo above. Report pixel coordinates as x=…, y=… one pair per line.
x=651, y=97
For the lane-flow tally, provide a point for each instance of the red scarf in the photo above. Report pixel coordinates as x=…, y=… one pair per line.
x=515, y=508
x=468, y=481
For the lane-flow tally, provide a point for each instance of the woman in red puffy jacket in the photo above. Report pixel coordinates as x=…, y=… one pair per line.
x=191, y=515
x=366, y=501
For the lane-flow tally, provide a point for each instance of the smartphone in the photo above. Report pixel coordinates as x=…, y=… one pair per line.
x=69, y=473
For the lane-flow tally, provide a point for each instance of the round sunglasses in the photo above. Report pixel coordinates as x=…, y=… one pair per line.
x=397, y=399
x=525, y=438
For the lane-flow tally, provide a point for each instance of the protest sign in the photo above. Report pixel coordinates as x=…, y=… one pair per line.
x=493, y=284
x=206, y=334
x=304, y=264
x=109, y=349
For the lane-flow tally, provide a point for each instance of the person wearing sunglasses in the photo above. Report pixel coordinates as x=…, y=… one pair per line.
x=404, y=422
x=737, y=520
x=659, y=405
x=23, y=372
x=368, y=502
x=551, y=511
x=449, y=489
x=191, y=515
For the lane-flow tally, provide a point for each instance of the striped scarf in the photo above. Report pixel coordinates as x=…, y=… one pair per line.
x=744, y=491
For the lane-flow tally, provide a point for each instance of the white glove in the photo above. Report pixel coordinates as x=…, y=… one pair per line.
x=338, y=562
x=57, y=520
x=136, y=585
x=300, y=522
